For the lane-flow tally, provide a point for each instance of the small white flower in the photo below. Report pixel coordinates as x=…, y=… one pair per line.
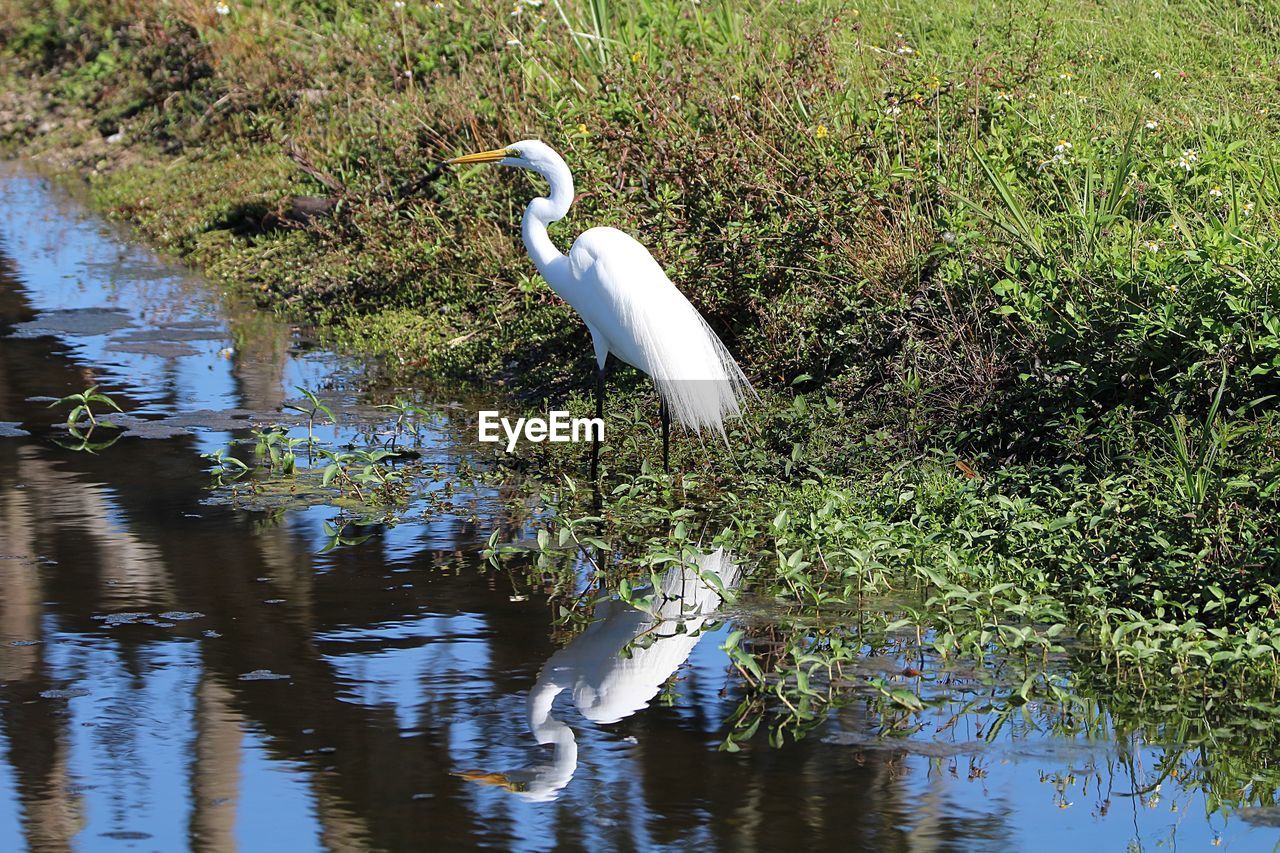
x=1062, y=147
x=1153, y=246
x=513, y=42
x=893, y=111
x=735, y=97
x=534, y=3
x=1033, y=96
x=1216, y=191
x=1187, y=161
x=222, y=8
x=399, y=4
x=1152, y=124
x=1156, y=74
x=1247, y=210
x=905, y=50
x=1002, y=95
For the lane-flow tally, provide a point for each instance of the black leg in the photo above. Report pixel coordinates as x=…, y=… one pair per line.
x=595, y=434
x=664, y=414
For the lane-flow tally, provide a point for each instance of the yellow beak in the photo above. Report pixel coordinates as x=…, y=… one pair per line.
x=482, y=157
x=498, y=779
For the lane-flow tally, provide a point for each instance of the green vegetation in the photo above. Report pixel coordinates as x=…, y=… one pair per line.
x=313, y=408
x=370, y=484
x=1006, y=277
x=83, y=407
x=82, y=423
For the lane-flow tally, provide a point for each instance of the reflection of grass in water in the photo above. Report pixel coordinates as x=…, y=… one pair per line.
x=376, y=477
x=796, y=670
x=848, y=609
x=83, y=440
x=1023, y=660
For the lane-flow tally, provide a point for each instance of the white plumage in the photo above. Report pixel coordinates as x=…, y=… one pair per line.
x=634, y=311
x=629, y=305
x=609, y=675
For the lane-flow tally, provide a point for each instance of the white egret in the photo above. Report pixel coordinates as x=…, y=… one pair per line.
x=615, y=667
x=629, y=305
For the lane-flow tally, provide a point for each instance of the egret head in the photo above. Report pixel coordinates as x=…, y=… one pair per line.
x=530, y=154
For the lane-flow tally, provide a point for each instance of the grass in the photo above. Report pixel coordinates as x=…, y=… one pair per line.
x=1005, y=274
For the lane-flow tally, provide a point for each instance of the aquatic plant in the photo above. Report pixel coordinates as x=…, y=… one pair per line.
x=408, y=420
x=342, y=532
x=83, y=406
x=360, y=473
x=226, y=468
x=314, y=408
x=279, y=448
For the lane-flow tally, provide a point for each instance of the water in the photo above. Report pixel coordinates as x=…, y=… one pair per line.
x=177, y=672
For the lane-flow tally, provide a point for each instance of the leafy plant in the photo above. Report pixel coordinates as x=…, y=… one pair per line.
x=280, y=449
x=314, y=408
x=226, y=468
x=82, y=405
x=361, y=473
x=409, y=418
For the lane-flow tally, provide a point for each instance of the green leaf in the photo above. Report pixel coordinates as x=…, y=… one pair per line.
x=906, y=698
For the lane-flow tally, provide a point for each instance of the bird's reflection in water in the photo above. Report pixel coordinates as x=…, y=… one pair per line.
x=616, y=666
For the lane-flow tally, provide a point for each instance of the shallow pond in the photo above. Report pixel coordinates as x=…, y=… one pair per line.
x=178, y=672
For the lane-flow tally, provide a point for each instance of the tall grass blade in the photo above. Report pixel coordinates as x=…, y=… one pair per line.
x=1016, y=224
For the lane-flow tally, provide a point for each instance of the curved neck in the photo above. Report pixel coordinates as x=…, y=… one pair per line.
x=546, y=728
x=541, y=212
